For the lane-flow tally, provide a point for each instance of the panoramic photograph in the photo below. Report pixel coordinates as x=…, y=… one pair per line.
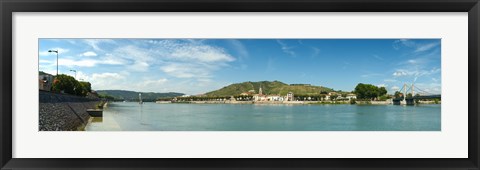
x=156, y=84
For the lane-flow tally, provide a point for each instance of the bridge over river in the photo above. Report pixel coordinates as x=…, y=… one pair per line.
x=410, y=99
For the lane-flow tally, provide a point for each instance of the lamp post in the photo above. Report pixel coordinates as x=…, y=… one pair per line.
x=75, y=71
x=55, y=51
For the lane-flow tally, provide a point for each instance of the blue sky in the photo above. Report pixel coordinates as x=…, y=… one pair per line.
x=196, y=66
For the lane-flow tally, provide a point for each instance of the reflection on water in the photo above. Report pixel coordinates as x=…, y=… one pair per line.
x=142, y=119
x=97, y=119
x=250, y=117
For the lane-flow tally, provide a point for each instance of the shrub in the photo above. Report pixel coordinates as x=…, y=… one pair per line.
x=353, y=101
x=383, y=98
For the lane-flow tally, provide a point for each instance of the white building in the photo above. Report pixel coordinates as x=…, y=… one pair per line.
x=274, y=98
x=290, y=97
x=259, y=96
x=351, y=96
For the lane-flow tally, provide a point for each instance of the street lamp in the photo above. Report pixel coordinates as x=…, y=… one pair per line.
x=75, y=73
x=55, y=51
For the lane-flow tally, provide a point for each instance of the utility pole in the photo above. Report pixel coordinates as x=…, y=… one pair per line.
x=55, y=51
x=75, y=71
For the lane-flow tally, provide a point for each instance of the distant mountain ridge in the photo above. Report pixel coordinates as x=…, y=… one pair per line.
x=268, y=87
x=133, y=96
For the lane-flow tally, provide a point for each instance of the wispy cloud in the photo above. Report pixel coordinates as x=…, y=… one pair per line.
x=200, y=53
x=397, y=44
x=286, y=49
x=95, y=43
x=70, y=62
x=371, y=75
x=190, y=60
x=139, y=66
x=315, y=53
x=418, y=47
x=426, y=47
x=44, y=61
x=400, y=73
x=416, y=73
x=377, y=57
x=390, y=80
x=134, y=58
x=88, y=54
x=395, y=88
x=106, y=80
x=239, y=48
x=185, y=70
x=181, y=59
x=82, y=63
x=382, y=85
x=79, y=63
x=149, y=83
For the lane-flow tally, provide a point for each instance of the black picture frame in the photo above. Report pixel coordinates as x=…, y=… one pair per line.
x=7, y=7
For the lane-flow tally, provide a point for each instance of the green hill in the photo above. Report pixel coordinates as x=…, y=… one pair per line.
x=133, y=96
x=268, y=87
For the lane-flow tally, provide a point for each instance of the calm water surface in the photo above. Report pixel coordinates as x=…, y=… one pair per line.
x=132, y=116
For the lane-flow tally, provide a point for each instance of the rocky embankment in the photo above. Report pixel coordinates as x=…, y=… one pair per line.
x=63, y=112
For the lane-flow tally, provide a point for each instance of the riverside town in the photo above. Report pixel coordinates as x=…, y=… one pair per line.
x=239, y=85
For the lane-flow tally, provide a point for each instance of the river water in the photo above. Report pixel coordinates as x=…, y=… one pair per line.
x=130, y=116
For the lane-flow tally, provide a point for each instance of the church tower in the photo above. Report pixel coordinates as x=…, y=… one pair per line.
x=260, y=90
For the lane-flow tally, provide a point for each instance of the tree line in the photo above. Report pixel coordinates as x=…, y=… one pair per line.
x=362, y=92
x=210, y=98
x=68, y=84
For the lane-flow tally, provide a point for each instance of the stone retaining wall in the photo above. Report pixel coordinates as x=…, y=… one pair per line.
x=63, y=112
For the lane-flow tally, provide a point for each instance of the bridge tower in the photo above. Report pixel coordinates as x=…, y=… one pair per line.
x=404, y=90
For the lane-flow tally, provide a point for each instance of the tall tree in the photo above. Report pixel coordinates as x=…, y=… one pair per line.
x=382, y=91
x=64, y=83
x=369, y=91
